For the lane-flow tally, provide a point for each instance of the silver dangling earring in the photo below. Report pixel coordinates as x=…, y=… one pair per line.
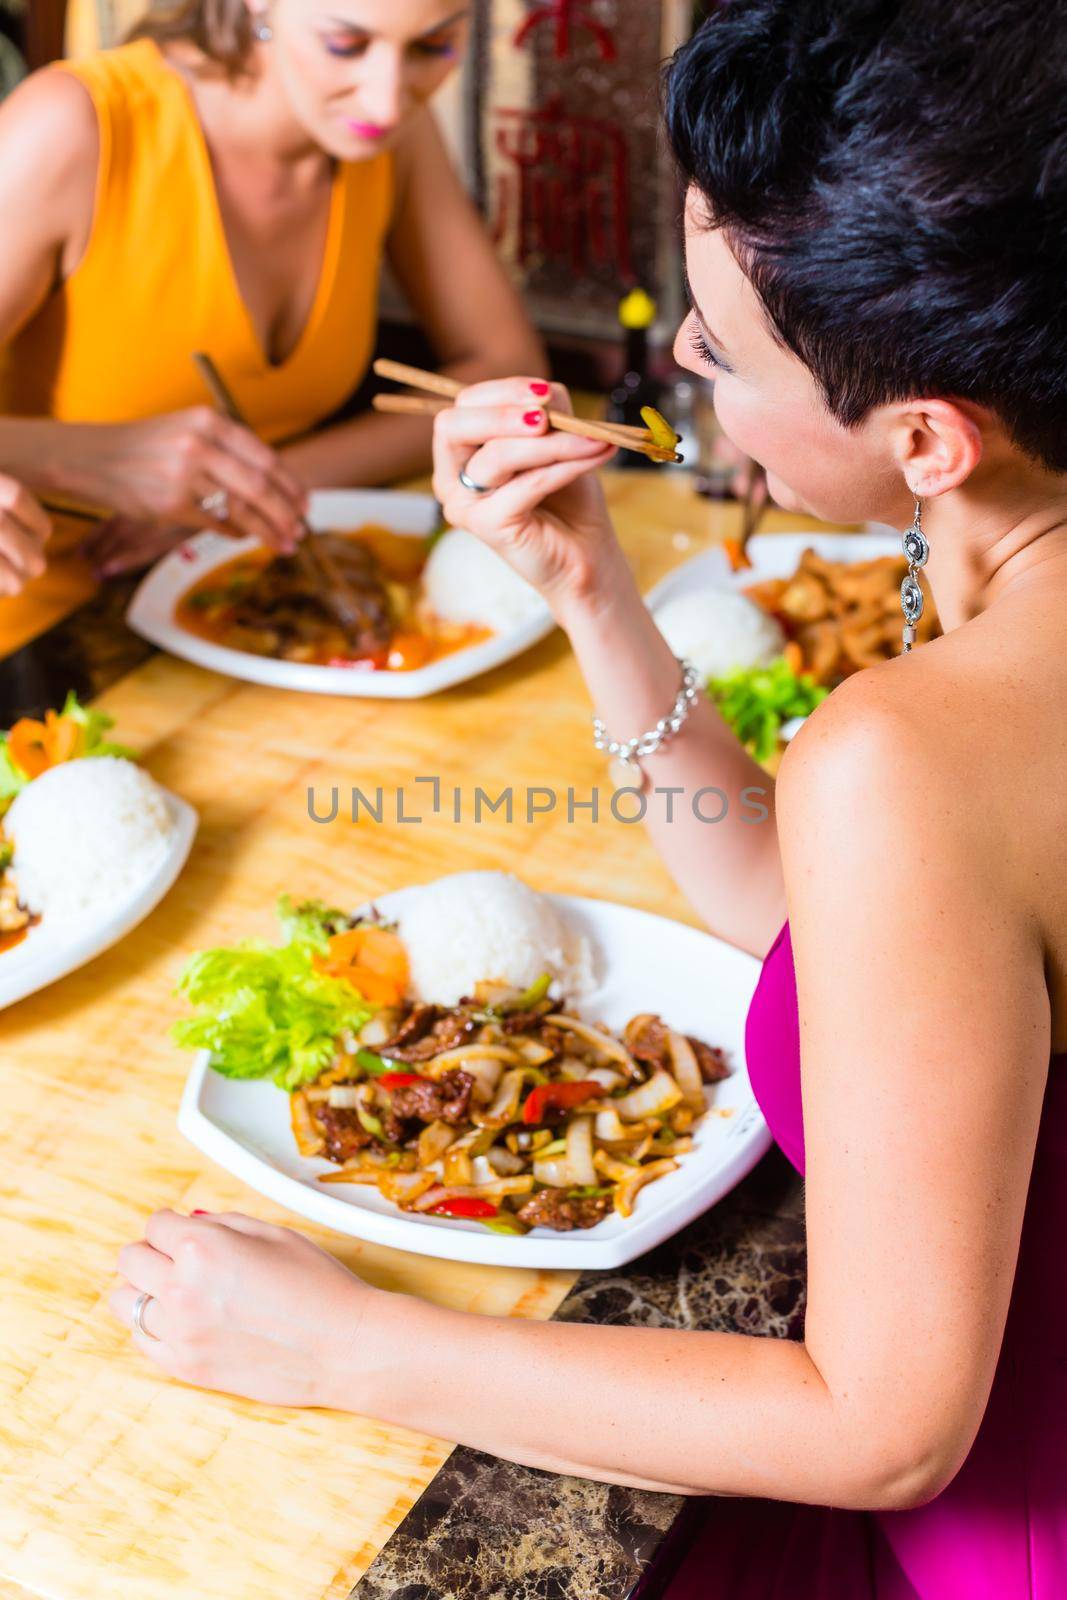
x=262, y=31
x=917, y=551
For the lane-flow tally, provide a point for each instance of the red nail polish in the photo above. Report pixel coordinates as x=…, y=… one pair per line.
x=540, y=388
x=532, y=419
x=199, y=1213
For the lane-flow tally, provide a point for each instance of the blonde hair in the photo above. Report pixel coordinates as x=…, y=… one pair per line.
x=222, y=29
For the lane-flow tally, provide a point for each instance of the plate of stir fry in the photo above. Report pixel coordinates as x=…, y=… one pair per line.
x=514, y=1125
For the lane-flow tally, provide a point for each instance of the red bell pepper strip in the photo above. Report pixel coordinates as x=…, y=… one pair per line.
x=400, y=1080
x=558, y=1097
x=467, y=1206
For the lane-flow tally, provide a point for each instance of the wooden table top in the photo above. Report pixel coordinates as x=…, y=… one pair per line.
x=118, y=1482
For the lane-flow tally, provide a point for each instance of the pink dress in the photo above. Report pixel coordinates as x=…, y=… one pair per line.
x=999, y=1531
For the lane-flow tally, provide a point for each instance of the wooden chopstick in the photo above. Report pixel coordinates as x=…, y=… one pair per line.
x=318, y=568
x=76, y=513
x=756, y=499
x=624, y=438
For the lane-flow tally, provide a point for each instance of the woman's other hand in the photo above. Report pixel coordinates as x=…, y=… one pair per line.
x=546, y=513
x=193, y=468
x=24, y=532
x=244, y=1307
x=124, y=544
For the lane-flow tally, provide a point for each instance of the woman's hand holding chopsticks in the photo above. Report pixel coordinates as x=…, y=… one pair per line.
x=189, y=469
x=24, y=530
x=544, y=511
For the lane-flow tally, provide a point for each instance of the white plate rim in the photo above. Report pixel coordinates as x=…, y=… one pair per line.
x=45, y=956
x=452, y=1240
x=150, y=612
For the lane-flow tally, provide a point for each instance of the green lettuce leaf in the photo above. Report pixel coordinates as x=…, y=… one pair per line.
x=756, y=701
x=12, y=778
x=265, y=1011
x=94, y=724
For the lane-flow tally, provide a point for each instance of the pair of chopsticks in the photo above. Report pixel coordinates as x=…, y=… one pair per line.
x=446, y=390
x=318, y=568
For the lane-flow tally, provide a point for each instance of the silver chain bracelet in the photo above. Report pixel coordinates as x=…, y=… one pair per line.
x=646, y=744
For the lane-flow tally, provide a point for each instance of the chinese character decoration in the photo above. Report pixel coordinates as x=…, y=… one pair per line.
x=562, y=16
x=568, y=160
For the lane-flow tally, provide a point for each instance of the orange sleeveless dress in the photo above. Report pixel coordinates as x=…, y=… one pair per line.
x=156, y=282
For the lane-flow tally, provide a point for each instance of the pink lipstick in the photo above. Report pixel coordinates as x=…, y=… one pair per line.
x=366, y=130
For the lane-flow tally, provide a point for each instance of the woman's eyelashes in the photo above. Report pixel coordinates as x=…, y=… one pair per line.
x=350, y=47
x=704, y=350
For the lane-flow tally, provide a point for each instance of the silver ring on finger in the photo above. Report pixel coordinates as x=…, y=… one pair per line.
x=217, y=505
x=140, y=1305
x=468, y=483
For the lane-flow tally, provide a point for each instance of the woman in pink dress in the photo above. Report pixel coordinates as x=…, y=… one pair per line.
x=876, y=234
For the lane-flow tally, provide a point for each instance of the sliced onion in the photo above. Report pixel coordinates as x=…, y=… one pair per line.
x=458, y=1167
x=452, y=1191
x=649, y=1099
x=309, y=1140
x=533, y=1053
x=626, y=1193
x=505, y=1105
x=686, y=1071
x=609, y=1127
x=486, y=1075
x=611, y=1167
x=504, y=1162
x=463, y=1055
x=375, y=1032
x=600, y=1041
x=346, y=1096
x=607, y=1077
x=555, y=1171
x=580, y=1150
x=404, y=1187
x=434, y=1140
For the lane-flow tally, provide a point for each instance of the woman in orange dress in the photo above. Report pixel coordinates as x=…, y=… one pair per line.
x=230, y=181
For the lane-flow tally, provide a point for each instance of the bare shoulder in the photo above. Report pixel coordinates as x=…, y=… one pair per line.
x=50, y=148
x=879, y=781
x=53, y=111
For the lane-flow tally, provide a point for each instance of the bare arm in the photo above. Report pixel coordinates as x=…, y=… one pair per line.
x=925, y=1044
x=159, y=468
x=925, y=1035
x=549, y=520
x=473, y=317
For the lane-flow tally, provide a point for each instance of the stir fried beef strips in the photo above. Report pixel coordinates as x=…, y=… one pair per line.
x=282, y=612
x=555, y=1208
x=445, y=1099
x=429, y=1031
x=646, y=1039
x=422, y=1032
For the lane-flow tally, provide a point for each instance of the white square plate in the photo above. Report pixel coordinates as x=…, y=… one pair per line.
x=699, y=984
x=51, y=949
x=151, y=611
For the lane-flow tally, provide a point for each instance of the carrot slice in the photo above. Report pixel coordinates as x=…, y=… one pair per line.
x=373, y=960
x=27, y=745
x=62, y=737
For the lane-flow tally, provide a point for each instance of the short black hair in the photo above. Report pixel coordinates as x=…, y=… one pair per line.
x=892, y=176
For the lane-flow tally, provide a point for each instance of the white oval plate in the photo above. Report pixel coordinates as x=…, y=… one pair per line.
x=151, y=611
x=51, y=949
x=698, y=983
x=773, y=555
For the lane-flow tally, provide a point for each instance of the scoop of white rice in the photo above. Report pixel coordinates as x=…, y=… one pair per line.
x=719, y=631
x=86, y=835
x=465, y=581
x=488, y=926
